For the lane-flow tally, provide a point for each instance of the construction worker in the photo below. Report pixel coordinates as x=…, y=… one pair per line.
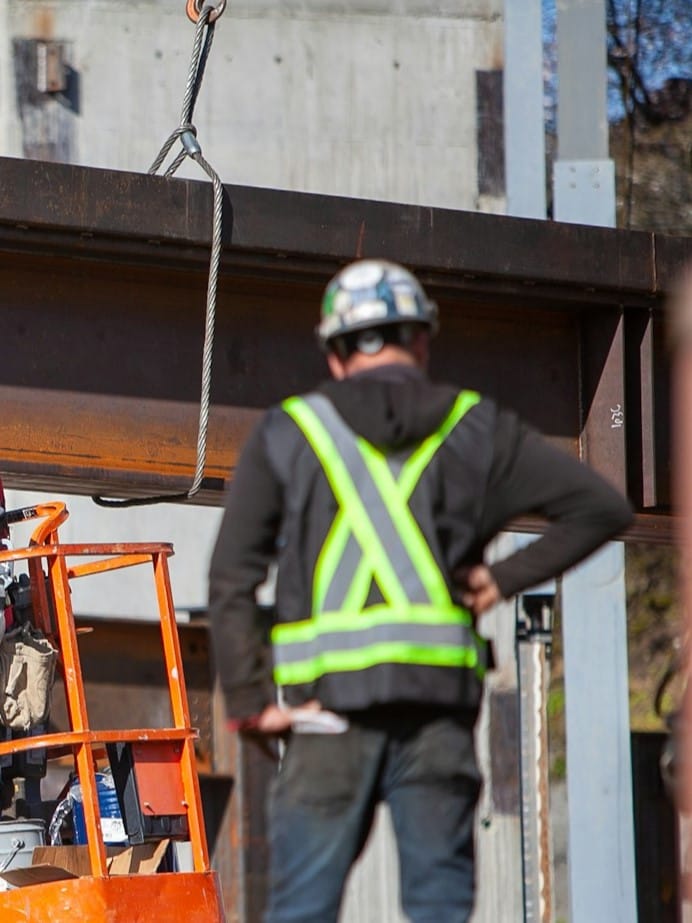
x=376, y=494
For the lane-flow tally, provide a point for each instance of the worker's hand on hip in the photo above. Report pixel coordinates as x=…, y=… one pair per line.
x=479, y=592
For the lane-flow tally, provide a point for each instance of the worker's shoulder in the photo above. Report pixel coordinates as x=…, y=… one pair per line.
x=478, y=409
x=279, y=416
x=278, y=435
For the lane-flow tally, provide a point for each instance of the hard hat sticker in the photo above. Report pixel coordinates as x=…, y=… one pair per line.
x=405, y=303
x=362, y=275
x=341, y=302
x=366, y=310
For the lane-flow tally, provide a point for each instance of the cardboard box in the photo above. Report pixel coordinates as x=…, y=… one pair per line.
x=143, y=859
x=57, y=863
x=32, y=875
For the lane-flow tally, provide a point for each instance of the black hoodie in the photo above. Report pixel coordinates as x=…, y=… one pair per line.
x=393, y=407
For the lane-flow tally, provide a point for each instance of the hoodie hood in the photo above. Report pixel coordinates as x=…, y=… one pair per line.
x=392, y=406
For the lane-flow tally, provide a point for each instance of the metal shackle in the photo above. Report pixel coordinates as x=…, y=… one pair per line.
x=194, y=9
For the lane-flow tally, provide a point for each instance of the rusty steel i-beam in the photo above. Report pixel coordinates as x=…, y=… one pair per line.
x=102, y=289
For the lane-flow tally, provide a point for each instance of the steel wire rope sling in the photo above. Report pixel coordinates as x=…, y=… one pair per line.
x=204, y=14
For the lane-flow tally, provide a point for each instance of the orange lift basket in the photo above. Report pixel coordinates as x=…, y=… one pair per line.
x=161, y=759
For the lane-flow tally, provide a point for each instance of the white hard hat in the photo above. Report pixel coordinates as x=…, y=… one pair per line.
x=373, y=293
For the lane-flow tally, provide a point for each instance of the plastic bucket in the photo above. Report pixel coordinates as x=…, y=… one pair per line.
x=17, y=841
x=112, y=827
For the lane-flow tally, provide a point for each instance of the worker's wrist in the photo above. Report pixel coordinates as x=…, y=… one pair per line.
x=238, y=725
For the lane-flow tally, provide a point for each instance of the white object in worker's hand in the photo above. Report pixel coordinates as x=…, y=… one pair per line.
x=309, y=721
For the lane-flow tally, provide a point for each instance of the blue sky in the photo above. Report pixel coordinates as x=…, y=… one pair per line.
x=665, y=48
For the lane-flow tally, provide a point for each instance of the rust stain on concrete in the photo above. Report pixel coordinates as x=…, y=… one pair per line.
x=43, y=24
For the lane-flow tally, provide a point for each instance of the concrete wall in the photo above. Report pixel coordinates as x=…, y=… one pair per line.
x=130, y=593
x=366, y=99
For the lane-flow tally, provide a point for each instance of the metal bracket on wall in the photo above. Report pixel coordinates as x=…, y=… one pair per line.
x=51, y=69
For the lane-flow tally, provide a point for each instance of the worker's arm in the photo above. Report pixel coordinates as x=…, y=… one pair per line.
x=244, y=548
x=529, y=476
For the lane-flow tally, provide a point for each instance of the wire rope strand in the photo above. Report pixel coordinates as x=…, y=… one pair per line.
x=197, y=66
x=187, y=134
x=208, y=350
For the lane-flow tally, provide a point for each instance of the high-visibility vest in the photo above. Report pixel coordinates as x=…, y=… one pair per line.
x=374, y=537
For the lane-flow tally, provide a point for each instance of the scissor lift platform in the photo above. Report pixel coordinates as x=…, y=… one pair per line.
x=159, y=791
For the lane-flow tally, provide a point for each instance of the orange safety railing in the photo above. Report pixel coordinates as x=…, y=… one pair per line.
x=171, y=749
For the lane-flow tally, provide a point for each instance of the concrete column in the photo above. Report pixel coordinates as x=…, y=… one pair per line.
x=523, y=116
x=9, y=135
x=582, y=121
x=602, y=882
x=583, y=175
x=599, y=767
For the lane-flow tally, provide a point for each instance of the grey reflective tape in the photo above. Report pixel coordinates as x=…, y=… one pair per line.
x=380, y=517
x=448, y=635
x=343, y=575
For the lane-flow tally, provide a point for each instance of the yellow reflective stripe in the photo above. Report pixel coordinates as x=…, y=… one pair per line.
x=307, y=671
x=416, y=464
x=297, y=663
x=357, y=594
x=329, y=558
x=409, y=531
x=346, y=494
x=309, y=629
x=414, y=541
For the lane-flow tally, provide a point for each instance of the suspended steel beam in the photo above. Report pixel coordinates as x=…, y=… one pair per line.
x=102, y=291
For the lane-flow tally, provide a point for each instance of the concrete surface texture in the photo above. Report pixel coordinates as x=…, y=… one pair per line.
x=366, y=99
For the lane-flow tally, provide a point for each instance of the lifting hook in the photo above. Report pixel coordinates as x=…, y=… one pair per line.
x=194, y=8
